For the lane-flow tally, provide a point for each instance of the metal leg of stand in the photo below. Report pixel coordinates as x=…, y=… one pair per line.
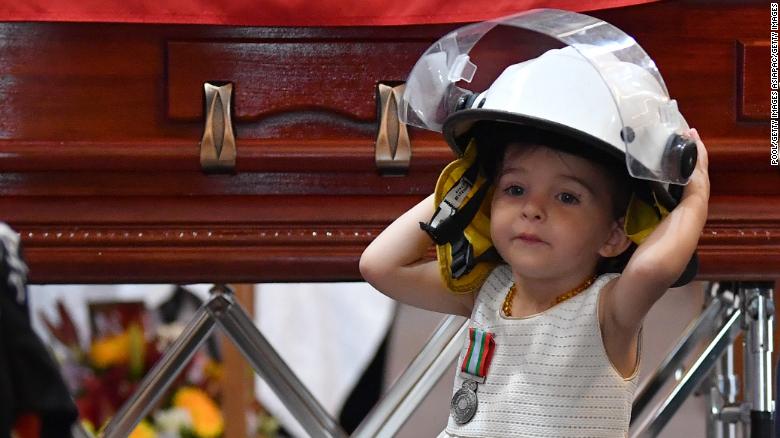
x=759, y=318
x=721, y=397
x=267, y=363
x=777, y=391
x=692, y=379
x=693, y=334
x=153, y=386
x=413, y=385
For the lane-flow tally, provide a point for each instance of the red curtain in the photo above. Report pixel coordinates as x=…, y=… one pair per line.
x=285, y=12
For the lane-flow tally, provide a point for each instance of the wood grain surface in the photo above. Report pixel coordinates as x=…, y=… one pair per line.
x=100, y=128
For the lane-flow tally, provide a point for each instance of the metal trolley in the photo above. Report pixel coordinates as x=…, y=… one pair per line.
x=731, y=309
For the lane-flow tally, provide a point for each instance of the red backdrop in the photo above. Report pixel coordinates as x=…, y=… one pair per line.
x=285, y=12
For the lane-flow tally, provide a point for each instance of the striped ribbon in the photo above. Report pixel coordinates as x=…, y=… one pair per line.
x=477, y=360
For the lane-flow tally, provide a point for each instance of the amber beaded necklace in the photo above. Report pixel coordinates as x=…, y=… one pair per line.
x=507, y=307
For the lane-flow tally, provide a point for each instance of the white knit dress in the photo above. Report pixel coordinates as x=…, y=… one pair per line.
x=550, y=375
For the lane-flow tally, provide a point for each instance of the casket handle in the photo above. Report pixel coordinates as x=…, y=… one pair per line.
x=218, y=145
x=393, y=149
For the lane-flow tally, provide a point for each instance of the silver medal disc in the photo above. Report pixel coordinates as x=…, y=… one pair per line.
x=464, y=403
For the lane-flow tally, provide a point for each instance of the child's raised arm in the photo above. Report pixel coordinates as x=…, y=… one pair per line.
x=395, y=263
x=661, y=259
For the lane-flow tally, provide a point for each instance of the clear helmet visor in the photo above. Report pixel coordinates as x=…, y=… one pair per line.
x=620, y=95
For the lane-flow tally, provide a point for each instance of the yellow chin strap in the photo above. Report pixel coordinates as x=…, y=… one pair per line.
x=461, y=225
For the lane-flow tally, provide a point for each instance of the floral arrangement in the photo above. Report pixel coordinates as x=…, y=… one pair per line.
x=125, y=345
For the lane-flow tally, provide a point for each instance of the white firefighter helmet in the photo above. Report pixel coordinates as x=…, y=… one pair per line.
x=561, y=92
x=600, y=88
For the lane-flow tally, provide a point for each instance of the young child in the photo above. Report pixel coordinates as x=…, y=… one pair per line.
x=554, y=344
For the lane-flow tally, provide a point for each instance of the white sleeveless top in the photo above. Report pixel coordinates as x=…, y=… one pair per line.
x=550, y=375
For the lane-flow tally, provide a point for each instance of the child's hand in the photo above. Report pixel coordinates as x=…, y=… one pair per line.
x=699, y=184
x=396, y=263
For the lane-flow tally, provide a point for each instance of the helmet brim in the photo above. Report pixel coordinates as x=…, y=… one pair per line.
x=457, y=131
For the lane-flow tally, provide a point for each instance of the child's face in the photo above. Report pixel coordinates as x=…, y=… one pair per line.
x=551, y=214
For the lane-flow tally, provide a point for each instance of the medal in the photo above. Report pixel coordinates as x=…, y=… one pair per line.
x=464, y=403
x=473, y=369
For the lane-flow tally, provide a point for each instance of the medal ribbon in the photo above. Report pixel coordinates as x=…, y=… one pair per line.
x=479, y=354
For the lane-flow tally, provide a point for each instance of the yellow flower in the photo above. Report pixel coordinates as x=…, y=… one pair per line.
x=206, y=416
x=136, y=349
x=113, y=350
x=143, y=430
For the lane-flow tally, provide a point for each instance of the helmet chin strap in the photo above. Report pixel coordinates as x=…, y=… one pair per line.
x=450, y=219
x=452, y=216
x=460, y=226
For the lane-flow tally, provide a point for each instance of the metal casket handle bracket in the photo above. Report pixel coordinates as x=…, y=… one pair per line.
x=393, y=149
x=218, y=145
